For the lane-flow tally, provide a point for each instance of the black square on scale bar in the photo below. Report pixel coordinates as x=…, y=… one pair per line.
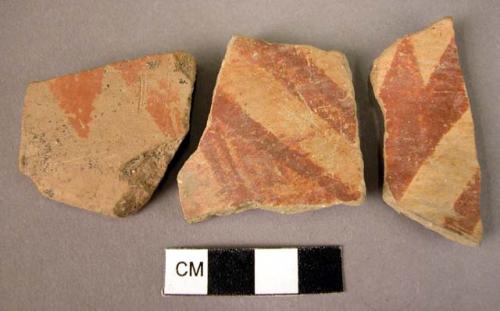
x=320, y=270
x=231, y=272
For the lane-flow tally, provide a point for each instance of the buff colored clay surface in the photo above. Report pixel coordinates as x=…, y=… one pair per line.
x=282, y=134
x=431, y=171
x=102, y=139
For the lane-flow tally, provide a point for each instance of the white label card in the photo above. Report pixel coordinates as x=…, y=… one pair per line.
x=186, y=271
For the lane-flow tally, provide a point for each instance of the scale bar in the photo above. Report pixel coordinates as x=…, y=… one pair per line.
x=253, y=271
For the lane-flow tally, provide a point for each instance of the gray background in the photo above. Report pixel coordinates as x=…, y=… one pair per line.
x=54, y=257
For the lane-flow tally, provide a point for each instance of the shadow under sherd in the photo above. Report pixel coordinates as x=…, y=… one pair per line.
x=379, y=128
x=370, y=130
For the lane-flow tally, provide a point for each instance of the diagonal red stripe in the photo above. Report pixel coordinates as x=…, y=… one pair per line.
x=306, y=81
x=251, y=139
x=418, y=116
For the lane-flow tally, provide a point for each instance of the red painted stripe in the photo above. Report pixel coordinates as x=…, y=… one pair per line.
x=216, y=151
x=467, y=208
x=418, y=116
x=272, y=165
x=76, y=94
x=161, y=105
x=307, y=82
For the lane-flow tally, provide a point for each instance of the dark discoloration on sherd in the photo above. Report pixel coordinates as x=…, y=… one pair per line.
x=101, y=139
x=186, y=64
x=143, y=173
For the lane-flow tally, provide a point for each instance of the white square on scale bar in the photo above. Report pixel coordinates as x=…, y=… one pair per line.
x=276, y=271
x=186, y=272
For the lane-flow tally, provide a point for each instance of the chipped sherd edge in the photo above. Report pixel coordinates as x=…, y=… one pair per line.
x=102, y=139
x=431, y=170
x=282, y=134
